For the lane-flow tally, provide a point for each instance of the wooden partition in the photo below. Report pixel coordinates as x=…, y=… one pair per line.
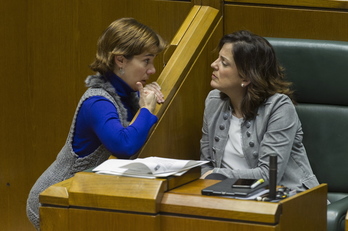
x=307, y=19
x=185, y=82
x=314, y=4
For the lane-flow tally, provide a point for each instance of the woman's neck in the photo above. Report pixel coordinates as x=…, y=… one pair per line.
x=236, y=103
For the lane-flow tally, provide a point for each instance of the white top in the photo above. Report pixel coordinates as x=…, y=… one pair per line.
x=233, y=156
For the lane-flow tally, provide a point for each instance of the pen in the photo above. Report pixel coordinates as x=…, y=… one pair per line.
x=257, y=183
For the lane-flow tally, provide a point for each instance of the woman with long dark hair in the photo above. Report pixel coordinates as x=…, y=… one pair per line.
x=250, y=115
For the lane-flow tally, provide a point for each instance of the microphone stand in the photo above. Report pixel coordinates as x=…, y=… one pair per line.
x=272, y=176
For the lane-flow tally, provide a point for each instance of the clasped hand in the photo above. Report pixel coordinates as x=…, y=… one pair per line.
x=150, y=95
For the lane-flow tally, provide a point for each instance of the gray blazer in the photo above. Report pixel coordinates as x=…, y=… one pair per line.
x=275, y=130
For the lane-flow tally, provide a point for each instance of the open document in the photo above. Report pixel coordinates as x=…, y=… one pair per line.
x=150, y=167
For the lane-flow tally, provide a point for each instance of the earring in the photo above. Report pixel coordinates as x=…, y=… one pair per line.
x=121, y=71
x=242, y=85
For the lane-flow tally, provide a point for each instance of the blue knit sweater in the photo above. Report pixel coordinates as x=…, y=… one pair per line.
x=98, y=123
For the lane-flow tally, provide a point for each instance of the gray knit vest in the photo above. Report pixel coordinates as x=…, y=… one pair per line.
x=67, y=162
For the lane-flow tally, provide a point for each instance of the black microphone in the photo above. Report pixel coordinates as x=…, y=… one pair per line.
x=272, y=176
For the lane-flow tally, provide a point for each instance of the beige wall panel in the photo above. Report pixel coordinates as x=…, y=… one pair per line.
x=46, y=49
x=13, y=117
x=287, y=22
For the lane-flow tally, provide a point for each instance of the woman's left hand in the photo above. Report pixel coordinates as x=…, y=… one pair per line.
x=157, y=90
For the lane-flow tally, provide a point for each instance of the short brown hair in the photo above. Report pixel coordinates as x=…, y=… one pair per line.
x=127, y=37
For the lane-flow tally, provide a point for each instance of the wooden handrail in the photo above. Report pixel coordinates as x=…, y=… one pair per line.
x=172, y=135
x=188, y=41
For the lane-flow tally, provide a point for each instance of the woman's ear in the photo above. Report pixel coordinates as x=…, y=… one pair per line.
x=245, y=82
x=119, y=61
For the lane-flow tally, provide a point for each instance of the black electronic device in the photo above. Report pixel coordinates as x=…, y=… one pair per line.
x=226, y=188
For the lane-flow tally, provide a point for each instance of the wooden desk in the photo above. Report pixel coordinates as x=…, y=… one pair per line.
x=185, y=209
x=101, y=202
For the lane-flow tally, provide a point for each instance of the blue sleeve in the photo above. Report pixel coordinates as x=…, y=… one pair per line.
x=123, y=142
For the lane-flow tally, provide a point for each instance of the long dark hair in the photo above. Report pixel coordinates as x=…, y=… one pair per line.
x=256, y=61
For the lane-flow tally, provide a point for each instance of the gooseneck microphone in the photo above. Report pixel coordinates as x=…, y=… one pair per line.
x=272, y=176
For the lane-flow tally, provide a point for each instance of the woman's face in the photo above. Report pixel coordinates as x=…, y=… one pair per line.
x=225, y=76
x=138, y=69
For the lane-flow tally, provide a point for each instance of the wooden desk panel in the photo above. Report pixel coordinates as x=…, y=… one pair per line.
x=305, y=211
x=209, y=207
x=182, y=208
x=116, y=193
x=88, y=189
x=187, y=200
x=175, y=223
x=49, y=217
x=85, y=219
x=186, y=206
x=95, y=220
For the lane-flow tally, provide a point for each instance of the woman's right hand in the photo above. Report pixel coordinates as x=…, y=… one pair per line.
x=155, y=87
x=147, y=98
